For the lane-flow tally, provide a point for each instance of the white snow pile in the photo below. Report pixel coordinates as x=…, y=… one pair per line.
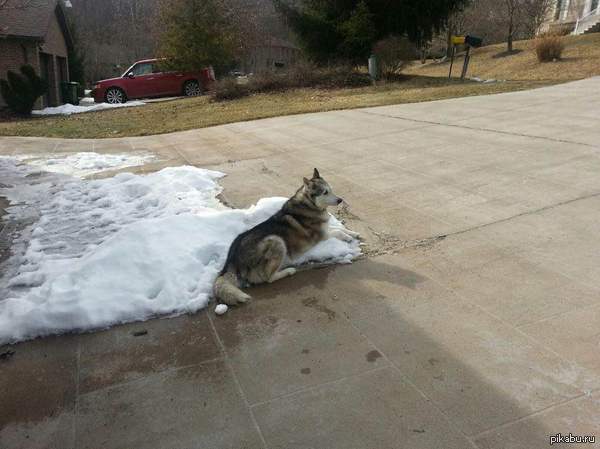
x=123, y=249
x=85, y=163
x=89, y=101
x=68, y=108
x=486, y=81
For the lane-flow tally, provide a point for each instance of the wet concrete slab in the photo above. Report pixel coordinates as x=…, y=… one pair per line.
x=471, y=322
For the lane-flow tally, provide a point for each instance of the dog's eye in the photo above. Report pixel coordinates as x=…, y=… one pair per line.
x=325, y=192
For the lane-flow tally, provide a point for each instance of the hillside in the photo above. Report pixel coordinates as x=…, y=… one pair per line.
x=581, y=59
x=423, y=83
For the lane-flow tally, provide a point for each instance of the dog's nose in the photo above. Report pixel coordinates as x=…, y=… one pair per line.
x=340, y=200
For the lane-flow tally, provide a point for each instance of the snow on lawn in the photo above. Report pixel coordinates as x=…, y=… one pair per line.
x=85, y=163
x=68, y=109
x=123, y=249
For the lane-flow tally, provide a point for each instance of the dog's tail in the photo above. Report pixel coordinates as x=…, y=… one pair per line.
x=226, y=290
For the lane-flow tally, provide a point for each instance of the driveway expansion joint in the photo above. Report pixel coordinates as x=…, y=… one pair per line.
x=488, y=130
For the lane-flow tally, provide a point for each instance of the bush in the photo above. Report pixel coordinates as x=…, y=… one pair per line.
x=20, y=92
x=230, y=89
x=301, y=75
x=549, y=47
x=393, y=53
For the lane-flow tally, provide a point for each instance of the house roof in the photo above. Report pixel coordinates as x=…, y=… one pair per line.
x=30, y=19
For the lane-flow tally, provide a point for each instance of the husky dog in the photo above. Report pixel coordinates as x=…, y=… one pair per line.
x=258, y=255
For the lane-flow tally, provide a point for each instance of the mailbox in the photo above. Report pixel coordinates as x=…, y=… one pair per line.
x=470, y=41
x=473, y=41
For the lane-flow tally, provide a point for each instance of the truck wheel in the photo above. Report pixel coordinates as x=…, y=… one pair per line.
x=114, y=95
x=192, y=88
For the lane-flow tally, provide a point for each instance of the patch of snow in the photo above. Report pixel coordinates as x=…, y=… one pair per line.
x=123, y=249
x=480, y=80
x=221, y=309
x=85, y=163
x=87, y=92
x=68, y=109
x=89, y=101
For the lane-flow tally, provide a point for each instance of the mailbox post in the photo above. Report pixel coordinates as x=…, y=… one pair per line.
x=456, y=40
x=470, y=41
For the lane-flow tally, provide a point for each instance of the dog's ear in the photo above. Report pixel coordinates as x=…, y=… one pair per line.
x=316, y=174
x=306, y=181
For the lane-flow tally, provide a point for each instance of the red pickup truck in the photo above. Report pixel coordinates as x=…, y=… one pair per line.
x=145, y=79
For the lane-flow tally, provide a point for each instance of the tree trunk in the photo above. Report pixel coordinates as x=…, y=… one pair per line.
x=509, y=41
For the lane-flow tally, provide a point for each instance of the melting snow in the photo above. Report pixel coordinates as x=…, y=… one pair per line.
x=68, y=109
x=122, y=249
x=86, y=163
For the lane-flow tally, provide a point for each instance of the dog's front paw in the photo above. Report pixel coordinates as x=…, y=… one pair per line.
x=346, y=236
x=353, y=234
x=340, y=235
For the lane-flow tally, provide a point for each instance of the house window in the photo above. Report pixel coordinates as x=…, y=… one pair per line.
x=558, y=9
x=562, y=9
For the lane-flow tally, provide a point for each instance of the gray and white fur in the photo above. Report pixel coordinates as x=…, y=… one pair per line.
x=258, y=255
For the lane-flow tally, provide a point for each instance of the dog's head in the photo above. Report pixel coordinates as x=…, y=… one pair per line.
x=320, y=192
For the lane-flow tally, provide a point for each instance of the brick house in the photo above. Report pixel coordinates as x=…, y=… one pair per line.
x=36, y=35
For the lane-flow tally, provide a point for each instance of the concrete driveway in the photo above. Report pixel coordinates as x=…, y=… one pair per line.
x=473, y=322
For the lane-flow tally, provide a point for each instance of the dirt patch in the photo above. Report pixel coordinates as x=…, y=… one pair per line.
x=343, y=212
x=390, y=244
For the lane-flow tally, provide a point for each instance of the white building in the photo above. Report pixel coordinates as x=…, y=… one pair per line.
x=574, y=16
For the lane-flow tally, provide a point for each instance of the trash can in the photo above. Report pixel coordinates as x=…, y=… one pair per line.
x=69, y=92
x=373, y=69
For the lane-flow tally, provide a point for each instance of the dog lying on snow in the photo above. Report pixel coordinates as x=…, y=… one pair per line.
x=257, y=255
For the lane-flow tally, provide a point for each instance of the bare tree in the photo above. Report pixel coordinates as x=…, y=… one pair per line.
x=535, y=13
x=115, y=33
x=510, y=10
x=498, y=21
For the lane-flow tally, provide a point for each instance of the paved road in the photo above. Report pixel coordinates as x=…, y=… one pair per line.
x=473, y=322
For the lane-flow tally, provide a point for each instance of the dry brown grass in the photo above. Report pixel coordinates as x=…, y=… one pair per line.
x=299, y=76
x=178, y=115
x=580, y=59
x=549, y=47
